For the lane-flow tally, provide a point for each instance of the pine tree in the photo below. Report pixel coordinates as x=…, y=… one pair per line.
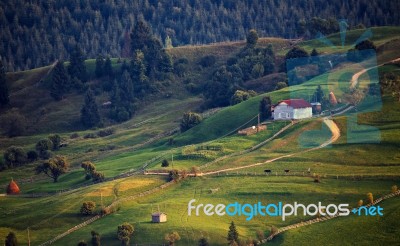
x=127, y=94
x=77, y=67
x=140, y=36
x=90, y=116
x=4, y=92
x=233, y=234
x=318, y=95
x=265, y=108
x=99, y=71
x=108, y=70
x=138, y=72
x=59, y=82
x=11, y=239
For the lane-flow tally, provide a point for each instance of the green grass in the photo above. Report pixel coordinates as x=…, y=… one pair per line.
x=247, y=190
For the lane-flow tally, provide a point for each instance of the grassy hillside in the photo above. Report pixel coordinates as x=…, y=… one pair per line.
x=347, y=170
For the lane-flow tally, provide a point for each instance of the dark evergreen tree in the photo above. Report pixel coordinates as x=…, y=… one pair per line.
x=252, y=38
x=127, y=93
x=11, y=240
x=4, y=91
x=233, y=234
x=59, y=82
x=140, y=36
x=95, y=239
x=203, y=242
x=138, y=72
x=90, y=116
x=265, y=108
x=99, y=70
x=318, y=95
x=77, y=67
x=108, y=70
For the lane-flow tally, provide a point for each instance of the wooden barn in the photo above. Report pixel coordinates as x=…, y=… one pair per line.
x=159, y=217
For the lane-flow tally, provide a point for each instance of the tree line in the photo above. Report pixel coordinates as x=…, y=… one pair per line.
x=36, y=33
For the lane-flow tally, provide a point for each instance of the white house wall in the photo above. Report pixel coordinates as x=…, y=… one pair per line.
x=282, y=112
x=302, y=113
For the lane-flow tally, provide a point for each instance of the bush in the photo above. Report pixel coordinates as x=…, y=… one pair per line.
x=88, y=208
x=43, y=145
x=105, y=132
x=14, y=156
x=32, y=155
x=173, y=175
x=189, y=120
x=124, y=233
x=165, y=163
x=97, y=177
x=56, y=140
x=90, y=135
x=208, y=61
x=45, y=155
x=74, y=135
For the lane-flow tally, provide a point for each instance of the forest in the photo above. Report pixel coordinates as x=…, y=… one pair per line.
x=37, y=33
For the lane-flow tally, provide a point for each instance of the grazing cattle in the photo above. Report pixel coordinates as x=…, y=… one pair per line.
x=287, y=170
x=267, y=170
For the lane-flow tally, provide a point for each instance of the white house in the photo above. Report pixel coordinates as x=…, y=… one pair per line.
x=292, y=109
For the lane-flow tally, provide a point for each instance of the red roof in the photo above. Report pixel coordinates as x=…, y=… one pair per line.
x=296, y=103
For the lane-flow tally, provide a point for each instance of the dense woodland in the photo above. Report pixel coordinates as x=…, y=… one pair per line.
x=36, y=33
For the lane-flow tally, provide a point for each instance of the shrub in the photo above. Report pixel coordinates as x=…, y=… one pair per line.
x=189, y=120
x=124, y=233
x=56, y=141
x=45, y=155
x=360, y=203
x=90, y=135
x=97, y=177
x=165, y=163
x=32, y=155
x=14, y=156
x=394, y=188
x=207, y=61
x=88, y=208
x=280, y=85
x=74, y=135
x=106, y=132
x=172, y=237
x=43, y=145
x=173, y=175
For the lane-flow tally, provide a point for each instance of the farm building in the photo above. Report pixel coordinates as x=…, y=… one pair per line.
x=292, y=109
x=159, y=217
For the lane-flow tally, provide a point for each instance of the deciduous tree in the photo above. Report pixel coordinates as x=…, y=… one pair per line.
x=54, y=167
x=124, y=233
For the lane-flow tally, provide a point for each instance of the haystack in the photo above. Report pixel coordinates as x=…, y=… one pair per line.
x=12, y=188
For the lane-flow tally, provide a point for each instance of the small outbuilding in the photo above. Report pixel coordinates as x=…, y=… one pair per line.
x=159, y=217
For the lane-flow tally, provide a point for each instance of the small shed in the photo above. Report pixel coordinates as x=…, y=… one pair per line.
x=159, y=217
